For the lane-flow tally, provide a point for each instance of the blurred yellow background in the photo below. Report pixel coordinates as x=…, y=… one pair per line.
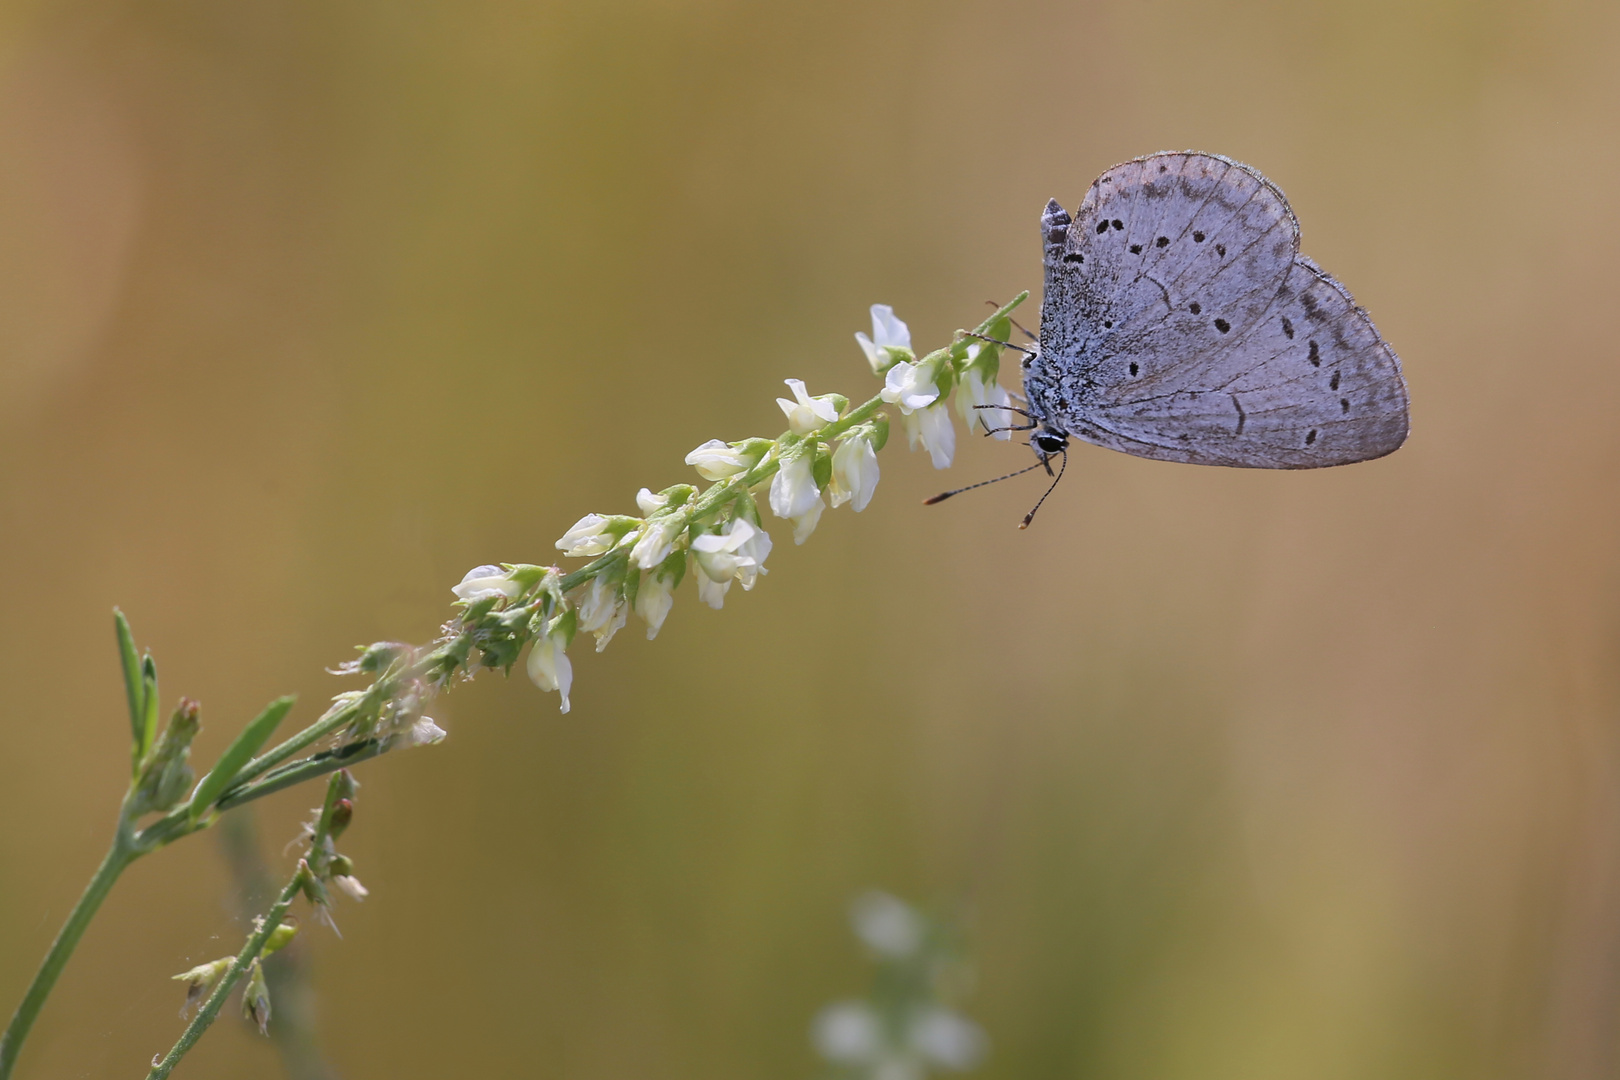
x=307, y=308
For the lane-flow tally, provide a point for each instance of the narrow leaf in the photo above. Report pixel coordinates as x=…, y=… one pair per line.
x=149, y=703
x=131, y=662
x=238, y=754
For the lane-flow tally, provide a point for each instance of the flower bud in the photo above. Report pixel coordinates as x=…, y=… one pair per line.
x=284, y=932
x=549, y=666
x=482, y=582
x=165, y=774
x=256, y=998
x=200, y=980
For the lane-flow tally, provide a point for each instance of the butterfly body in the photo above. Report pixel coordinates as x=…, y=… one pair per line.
x=1181, y=323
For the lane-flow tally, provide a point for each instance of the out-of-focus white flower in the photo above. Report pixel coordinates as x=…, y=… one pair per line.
x=657, y=540
x=549, y=666
x=596, y=606
x=806, y=413
x=805, y=523
x=976, y=392
x=654, y=597
x=945, y=1038
x=710, y=591
x=793, y=488
x=910, y=386
x=589, y=536
x=482, y=581
x=351, y=887
x=715, y=460
x=888, y=333
x=848, y=1033
x=854, y=473
x=649, y=503
x=424, y=732
x=602, y=611
x=888, y=925
x=932, y=427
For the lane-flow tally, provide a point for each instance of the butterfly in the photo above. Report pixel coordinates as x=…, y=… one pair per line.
x=1180, y=322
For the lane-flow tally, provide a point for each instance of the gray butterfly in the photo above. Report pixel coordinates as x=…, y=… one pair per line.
x=1180, y=322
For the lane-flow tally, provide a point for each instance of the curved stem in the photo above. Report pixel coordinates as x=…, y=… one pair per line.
x=119, y=856
x=250, y=949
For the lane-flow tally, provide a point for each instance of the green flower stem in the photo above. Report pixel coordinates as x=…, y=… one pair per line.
x=251, y=949
x=119, y=855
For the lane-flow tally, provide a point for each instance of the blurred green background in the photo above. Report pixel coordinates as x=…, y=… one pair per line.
x=307, y=308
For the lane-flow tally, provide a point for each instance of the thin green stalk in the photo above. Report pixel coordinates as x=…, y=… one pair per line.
x=119, y=856
x=251, y=949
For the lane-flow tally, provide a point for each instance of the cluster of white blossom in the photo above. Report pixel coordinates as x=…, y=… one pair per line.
x=903, y=1029
x=827, y=456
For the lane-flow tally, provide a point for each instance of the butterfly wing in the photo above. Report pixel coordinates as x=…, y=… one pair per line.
x=1180, y=323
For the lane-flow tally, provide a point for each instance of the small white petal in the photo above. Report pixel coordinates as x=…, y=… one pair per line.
x=855, y=473
x=649, y=503
x=793, y=488
x=711, y=592
x=805, y=523
x=805, y=413
x=657, y=540
x=910, y=386
x=888, y=331
x=482, y=581
x=550, y=668
x=351, y=886
x=848, y=1033
x=654, y=598
x=947, y=1039
x=888, y=925
x=424, y=732
x=587, y=537
x=937, y=434
x=714, y=460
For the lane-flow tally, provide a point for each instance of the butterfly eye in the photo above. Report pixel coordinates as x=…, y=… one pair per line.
x=1049, y=442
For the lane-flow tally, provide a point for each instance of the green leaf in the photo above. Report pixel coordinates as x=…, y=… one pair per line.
x=131, y=662
x=238, y=754
x=149, y=702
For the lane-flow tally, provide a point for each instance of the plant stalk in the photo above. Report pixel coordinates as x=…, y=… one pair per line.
x=119, y=856
x=250, y=949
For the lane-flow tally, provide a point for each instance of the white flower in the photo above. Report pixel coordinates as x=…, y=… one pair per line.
x=910, y=386
x=602, y=611
x=805, y=523
x=754, y=551
x=710, y=591
x=648, y=503
x=424, y=732
x=888, y=925
x=945, y=1038
x=654, y=598
x=351, y=887
x=587, y=537
x=888, y=332
x=977, y=392
x=793, y=488
x=932, y=427
x=731, y=552
x=549, y=666
x=848, y=1033
x=714, y=460
x=855, y=473
x=482, y=581
x=657, y=540
x=807, y=413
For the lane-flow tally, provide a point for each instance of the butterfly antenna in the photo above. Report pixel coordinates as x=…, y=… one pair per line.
x=942, y=496
x=998, y=341
x=1029, y=517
